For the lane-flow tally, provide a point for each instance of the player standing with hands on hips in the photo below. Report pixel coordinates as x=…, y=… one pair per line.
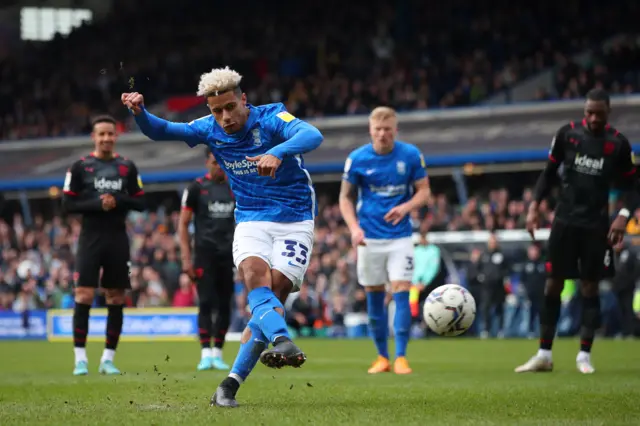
x=103, y=187
x=210, y=202
x=260, y=149
x=594, y=156
x=391, y=178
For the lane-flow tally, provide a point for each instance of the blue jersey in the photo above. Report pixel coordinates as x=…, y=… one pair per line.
x=384, y=182
x=289, y=197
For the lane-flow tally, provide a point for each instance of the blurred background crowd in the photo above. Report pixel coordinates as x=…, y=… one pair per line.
x=36, y=270
x=339, y=58
x=334, y=58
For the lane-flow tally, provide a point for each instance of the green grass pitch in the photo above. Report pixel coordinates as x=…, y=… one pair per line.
x=455, y=382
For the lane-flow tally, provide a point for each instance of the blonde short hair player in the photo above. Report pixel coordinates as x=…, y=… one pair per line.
x=260, y=149
x=386, y=179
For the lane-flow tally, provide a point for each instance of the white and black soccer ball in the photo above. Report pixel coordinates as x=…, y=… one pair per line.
x=449, y=310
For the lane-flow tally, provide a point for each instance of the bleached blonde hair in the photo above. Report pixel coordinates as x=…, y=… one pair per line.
x=218, y=81
x=382, y=113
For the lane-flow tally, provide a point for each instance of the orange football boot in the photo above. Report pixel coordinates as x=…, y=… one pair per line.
x=380, y=365
x=401, y=366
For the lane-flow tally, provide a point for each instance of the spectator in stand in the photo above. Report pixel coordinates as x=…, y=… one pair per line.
x=47, y=246
x=492, y=274
x=615, y=69
x=414, y=57
x=303, y=311
x=186, y=294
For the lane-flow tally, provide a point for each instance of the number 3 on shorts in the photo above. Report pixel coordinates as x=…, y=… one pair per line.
x=409, y=263
x=296, y=250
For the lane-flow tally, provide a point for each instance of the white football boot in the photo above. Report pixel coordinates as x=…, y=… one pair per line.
x=583, y=362
x=537, y=363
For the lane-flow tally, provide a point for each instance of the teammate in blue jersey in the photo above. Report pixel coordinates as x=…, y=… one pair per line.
x=259, y=148
x=387, y=179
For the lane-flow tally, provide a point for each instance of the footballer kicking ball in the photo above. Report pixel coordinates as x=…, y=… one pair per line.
x=449, y=310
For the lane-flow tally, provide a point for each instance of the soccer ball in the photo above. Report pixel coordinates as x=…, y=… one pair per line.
x=449, y=310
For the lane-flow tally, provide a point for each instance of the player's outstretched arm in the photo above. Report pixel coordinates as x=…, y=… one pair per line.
x=159, y=129
x=297, y=136
x=300, y=139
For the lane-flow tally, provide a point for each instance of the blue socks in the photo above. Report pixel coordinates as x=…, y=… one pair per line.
x=263, y=304
x=249, y=352
x=378, y=323
x=378, y=326
x=402, y=322
x=266, y=324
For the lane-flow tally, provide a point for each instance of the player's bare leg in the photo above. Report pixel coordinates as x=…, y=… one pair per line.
x=401, y=325
x=83, y=300
x=253, y=343
x=549, y=316
x=591, y=318
x=115, y=299
x=378, y=325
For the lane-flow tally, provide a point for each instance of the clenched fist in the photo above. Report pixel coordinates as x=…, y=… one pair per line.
x=134, y=101
x=108, y=202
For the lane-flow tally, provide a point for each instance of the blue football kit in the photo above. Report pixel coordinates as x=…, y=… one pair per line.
x=287, y=198
x=385, y=181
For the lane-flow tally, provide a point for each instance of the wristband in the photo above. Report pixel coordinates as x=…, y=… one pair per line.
x=624, y=212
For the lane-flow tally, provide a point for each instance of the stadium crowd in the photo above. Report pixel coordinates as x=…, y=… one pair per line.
x=615, y=70
x=36, y=270
x=339, y=58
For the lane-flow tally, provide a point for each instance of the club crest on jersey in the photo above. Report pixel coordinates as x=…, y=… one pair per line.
x=256, y=137
x=609, y=147
x=401, y=167
x=123, y=170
